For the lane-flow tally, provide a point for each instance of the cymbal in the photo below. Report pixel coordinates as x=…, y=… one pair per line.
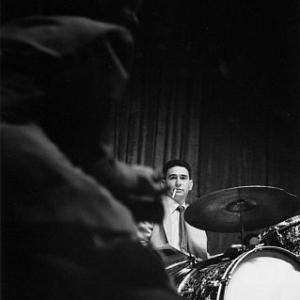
x=250, y=207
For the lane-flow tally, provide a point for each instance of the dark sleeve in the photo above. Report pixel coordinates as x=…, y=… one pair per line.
x=41, y=185
x=65, y=236
x=120, y=179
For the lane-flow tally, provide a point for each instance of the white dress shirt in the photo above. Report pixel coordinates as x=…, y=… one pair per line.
x=172, y=213
x=167, y=233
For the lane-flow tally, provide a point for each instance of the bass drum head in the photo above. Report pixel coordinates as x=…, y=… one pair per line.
x=264, y=273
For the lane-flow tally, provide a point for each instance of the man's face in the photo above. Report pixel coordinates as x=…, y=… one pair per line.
x=178, y=178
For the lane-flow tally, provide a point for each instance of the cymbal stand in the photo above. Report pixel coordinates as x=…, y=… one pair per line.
x=241, y=207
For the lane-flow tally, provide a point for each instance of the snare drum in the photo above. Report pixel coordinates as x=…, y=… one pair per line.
x=285, y=234
x=263, y=273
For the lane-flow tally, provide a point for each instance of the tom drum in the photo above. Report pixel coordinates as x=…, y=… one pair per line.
x=285, y=234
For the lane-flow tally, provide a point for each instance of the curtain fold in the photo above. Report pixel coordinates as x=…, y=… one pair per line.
x=177, y=108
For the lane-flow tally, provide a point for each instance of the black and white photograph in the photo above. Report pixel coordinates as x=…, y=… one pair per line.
x=150, y=150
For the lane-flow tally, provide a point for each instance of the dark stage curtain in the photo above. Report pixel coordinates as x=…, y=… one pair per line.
x=232, y=133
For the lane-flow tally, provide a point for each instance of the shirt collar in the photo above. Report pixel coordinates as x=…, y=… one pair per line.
x=171, y=205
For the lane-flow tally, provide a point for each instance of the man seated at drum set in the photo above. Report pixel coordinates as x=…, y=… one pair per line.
x=265, y=266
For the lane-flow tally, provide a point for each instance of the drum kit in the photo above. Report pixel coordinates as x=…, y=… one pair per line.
x=269, y=270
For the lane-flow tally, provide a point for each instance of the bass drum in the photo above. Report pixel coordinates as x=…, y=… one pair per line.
x=285, y=234
x=263, y=273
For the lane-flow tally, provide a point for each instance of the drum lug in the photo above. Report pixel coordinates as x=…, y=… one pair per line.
x=214, y=283
x=188, y=291
x=218, y=282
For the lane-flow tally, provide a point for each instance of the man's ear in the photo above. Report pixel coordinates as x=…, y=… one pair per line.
x=191, y=185
x=163, y=182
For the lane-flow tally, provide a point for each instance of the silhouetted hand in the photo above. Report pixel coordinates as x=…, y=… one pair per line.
x=138, y=187
x=144, y=232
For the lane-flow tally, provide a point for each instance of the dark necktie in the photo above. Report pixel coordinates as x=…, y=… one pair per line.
x=182, y=229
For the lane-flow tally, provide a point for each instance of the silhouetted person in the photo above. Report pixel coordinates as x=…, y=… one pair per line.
x=66, y=235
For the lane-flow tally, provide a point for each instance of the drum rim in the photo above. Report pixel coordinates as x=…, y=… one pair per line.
x=184, y=280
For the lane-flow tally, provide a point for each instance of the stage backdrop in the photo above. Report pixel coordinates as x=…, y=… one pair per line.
x=231, y=132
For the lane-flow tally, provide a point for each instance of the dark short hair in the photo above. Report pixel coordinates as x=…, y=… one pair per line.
x=177, y=162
